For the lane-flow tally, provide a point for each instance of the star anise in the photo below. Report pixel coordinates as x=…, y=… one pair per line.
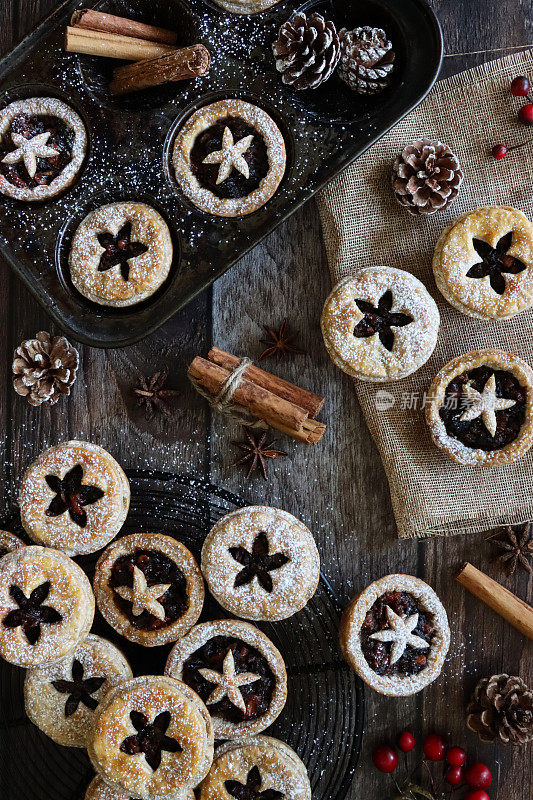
x=79, y=690
x=153, y=396
x=280, y=343
x=495, y=261
x=256, y=451
x=516, y=548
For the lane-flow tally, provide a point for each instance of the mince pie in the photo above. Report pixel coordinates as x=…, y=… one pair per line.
x=480, y=408
x=149, y=588
x=261, y=563
x=74, y=497
x=229, y=158
x=237, y=672
x=61, y=698
x=46, y=606
x=380, y=324
x=395, y=635
x=99, y=790
x=9, y=542
x=120, y=254
x=483, y=263
x=256, y=768
x=152, y=738
x=42, y=148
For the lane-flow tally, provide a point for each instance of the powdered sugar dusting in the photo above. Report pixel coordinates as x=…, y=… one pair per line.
x=105, y=517
x=367, y=358
x=294, y=583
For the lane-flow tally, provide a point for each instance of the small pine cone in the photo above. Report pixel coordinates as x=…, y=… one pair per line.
x=501, y=708
x=307, y=50
x=367, y=59
x=44, y=368
x=426, y=177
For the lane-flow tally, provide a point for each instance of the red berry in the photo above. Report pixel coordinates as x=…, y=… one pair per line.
x=476, y=794
x=434, y=747
x=455, y=756
x=406, y=742
x=454, y=776
x=525, y=114
x=478, y=776
x=385, y=758
x=499, y=151
x=520, y=86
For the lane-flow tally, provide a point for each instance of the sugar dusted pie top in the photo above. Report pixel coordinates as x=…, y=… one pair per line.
x=395, y=305
x=261, y=563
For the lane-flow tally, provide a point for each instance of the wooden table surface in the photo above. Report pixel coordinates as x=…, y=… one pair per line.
x=337, y=487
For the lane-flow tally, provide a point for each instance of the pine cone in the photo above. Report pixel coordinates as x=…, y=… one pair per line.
x=307, y=50
x=501, y=708
x=44, y=368
x=367, y=59
x=426, y=177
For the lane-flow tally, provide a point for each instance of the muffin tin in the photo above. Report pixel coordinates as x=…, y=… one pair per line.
x=131, y=139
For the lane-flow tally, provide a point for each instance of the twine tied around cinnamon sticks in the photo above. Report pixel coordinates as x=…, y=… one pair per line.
x=236, y=387
x=223, y=401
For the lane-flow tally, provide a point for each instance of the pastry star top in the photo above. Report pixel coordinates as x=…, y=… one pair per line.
x=144, y=597
x=484, y=404
x=28, y=150
x=400, y=634
x=230, y=156
x=228, y=683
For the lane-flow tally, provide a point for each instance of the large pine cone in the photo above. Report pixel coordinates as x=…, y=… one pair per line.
x=367, y=59
x=501, y=708
x=426, y=177
x=44, y=368
x=307, y=50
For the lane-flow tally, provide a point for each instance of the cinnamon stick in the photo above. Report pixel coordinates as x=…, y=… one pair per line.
x=500, y=599
x=261, y=403
x=312, y=403
x=112, y=45
x=93, y=20
x=187, y=62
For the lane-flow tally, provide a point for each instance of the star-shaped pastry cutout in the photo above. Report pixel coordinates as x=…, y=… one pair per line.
x=151, y=738
x=230, y=156
x=28, y=150
x=257, y=564
x=79, y=689
x=228, y=682
x=252, y=789
x=31, y=613
x=495, y=261
x=400, y=633
x=144, y=597
x=484, y=404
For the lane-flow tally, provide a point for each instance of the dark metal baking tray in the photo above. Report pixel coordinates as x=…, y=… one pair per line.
x=131, y=139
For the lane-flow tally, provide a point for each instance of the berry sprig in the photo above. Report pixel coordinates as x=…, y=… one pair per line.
x=520, y=87
x=474, y=777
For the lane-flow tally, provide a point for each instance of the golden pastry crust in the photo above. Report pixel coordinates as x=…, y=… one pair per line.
x=104, y=517
x=279, y=767
x=411, y=339
x=354, y=617
x=246, y=6
x=455, y=255
x=59, y=584
x=9, y=542
x=98, y=790
x=146, y=271
x=454, y=448
x=292, y=573
x=106, y=596
x=203, y=119
x=50, y=692
x=250, y=635
x=46, y=106
x=186, y=754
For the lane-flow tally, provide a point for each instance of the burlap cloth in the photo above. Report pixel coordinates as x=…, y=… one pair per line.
x=363, y=226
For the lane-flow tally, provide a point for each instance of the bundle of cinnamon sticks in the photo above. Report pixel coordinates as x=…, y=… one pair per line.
x=281, y=404
x=154, y=50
